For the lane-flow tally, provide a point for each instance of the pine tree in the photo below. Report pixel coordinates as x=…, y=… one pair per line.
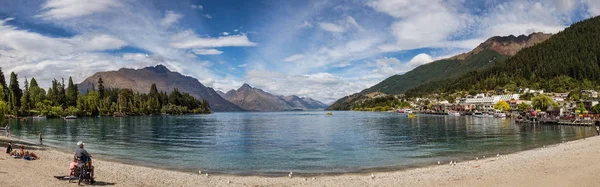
x=3, y=84
x=15, y=92
x=72, y=93
x=101, y=88
x=26, y=98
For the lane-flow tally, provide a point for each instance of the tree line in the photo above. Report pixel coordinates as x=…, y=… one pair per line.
x=62, y=100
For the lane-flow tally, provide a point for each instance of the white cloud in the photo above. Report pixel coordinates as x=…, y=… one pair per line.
x=67, y=9
x=242, y=65
x=321, y=86
x=294, y=58
x=170, y=18
x=593, y=7
x=386, y=67
x=331, y=27
x=305, y=24
x=189, y=40
x=199, y=7
x=225, y=33
x=207, y=52
x=207, y=16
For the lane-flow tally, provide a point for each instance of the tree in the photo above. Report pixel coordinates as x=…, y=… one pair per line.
x=596, y=109
x=101, y=90
x=72, y=93
x=4, y=87
x=523, y=107
x=36, y=93
x=26, y=99
x=581, y=107
x=15, y=92
x=3, y=106
x=543, y=102
x=502, y=105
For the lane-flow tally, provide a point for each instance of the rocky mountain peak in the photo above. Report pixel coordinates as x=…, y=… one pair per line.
x=158, y=69
x=506, y=45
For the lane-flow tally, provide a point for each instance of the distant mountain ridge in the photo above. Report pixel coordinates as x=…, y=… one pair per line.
x=495, y=49
x=254, y=99
x=140, y=80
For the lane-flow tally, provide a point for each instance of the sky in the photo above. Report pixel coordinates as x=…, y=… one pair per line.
x=323, y=49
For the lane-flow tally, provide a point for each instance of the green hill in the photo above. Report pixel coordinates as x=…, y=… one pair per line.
x=493, y=51
x=437, y=70
x=569, y=60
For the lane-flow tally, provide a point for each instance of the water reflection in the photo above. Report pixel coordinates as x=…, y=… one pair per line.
x=300, y=141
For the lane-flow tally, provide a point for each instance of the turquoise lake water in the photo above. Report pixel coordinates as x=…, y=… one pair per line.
x=302, y=142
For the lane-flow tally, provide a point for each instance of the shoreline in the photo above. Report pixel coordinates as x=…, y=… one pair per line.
x=566, y=164
x=383, y=169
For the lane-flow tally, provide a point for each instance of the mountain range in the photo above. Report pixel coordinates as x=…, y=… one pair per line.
x=254, y=99
x=494, y=50
x=244, y=99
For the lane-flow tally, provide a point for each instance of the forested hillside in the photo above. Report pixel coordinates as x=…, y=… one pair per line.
x=567, y=61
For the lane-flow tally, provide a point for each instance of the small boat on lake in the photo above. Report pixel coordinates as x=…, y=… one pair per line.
x=412, y=115
x=71, y=117
x=454, y=113
x=500, y=115
x=478, y=115
x=38, y=117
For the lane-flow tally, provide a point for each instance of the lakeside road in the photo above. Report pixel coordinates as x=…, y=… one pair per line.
x=575, y=163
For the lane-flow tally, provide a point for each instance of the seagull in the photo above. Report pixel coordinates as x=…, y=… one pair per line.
x=206, y=174
x=372, y=176
x=451, y=162
x=498, y=155
x=314, y=178
x=291, y=173
x=476, y=158
x=199, y=172
x=439, y=162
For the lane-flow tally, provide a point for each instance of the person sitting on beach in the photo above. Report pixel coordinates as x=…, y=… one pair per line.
x=82, y=157
x=30, y=156
x=22, y=152
x=9, y=147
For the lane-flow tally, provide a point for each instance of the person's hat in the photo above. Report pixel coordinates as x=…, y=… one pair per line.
x=80, y=143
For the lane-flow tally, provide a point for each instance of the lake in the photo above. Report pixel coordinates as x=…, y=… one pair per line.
x=302, y=142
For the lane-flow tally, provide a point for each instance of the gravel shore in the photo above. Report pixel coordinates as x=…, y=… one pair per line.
x=568, y=164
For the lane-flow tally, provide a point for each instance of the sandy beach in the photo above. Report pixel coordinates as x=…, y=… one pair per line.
x=568, y=164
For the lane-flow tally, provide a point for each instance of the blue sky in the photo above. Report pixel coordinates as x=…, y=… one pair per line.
x=320, y=49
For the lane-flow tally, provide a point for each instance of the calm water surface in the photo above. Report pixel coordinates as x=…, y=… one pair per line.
x=303, y=142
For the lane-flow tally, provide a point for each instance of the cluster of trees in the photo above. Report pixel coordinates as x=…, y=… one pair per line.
x=384, y=103
x=63, y=100
x=569, y=60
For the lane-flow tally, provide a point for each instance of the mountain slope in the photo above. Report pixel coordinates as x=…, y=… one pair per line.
x=570, y=60
x=254, y=99
x=140, y=80
x=488, y=53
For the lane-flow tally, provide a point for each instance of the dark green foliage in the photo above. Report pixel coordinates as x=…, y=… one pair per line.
x=72, y=93
x=3, y=84
x=101, y=87
x=15, y=93
x=569, y=60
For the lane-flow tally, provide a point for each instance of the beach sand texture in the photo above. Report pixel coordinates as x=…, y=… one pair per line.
x=575, y=163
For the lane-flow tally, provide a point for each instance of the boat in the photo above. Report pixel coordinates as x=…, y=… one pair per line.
x=412, y=115
x=478, y=114
x=500, y=115
x=71, y=117
x=38, y=117
x=454, y=113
